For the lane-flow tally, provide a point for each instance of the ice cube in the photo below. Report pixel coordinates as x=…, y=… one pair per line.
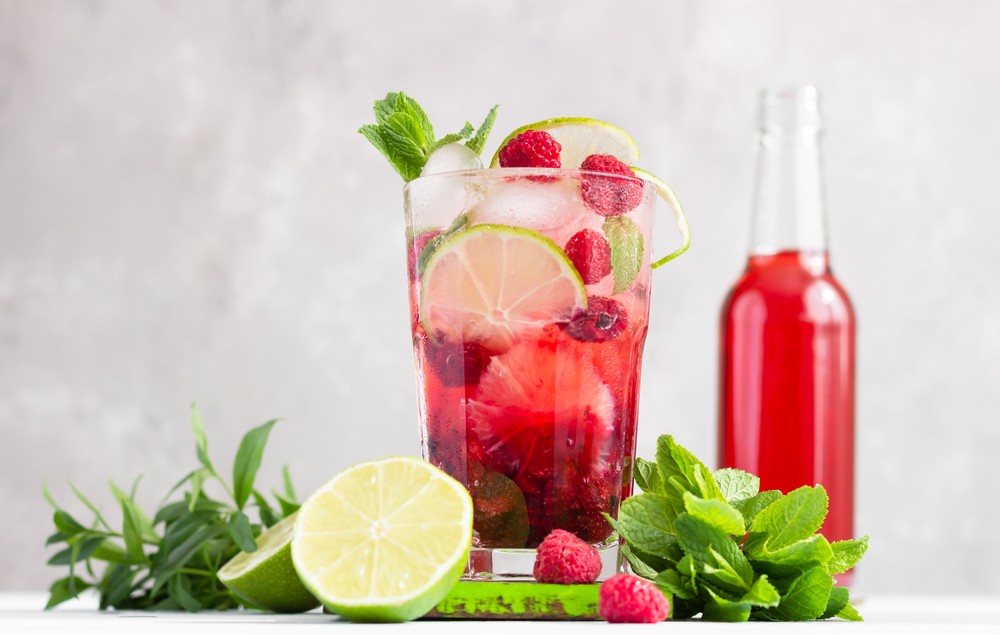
x=553, y=208
x=451, y=158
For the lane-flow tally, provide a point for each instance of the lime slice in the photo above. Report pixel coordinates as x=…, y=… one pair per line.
x=384, y=541
x=266, y=577
x=581, y=137
x=668, y=195
x=493, y=284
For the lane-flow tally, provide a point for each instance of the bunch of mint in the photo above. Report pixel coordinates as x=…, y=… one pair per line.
x=405, y=135
x=720, y=547
x=176, y=567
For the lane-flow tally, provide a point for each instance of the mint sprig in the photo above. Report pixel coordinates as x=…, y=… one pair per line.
x=176, y=567
x=404, y=134
x=720, y=547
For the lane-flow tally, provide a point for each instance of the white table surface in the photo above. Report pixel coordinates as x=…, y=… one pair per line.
x=21, y=612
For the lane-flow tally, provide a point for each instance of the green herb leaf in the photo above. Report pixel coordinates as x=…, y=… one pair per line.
x=131, y=531
x=142, y=522
x=90, y=506
x=242, y=534
x=464, y=133
x=795, y=517
x=639, y=567
x=477, y=142
x=181, y=595
x=197, y=478
x=645, y=521
x=288, y=507
x=846, y=554
x=736, y=484
x=791, y=560
x=625, y=240
x=762, y=593
x=289, y=490
x=720, y=609
x=752, y=506
x=676, y=584
x=111, y=552
x=684, y=470
x=66, y=523
x=247, y=462
x=850, y=614
x=806, y=598
x=179, y=556
x=48, y=497
x=648, y=478
x=65, y=589
x=200, y=440
x=267, y=515
x=83, y=551
x=717, y=513
x=709, y=548
x=839, y=598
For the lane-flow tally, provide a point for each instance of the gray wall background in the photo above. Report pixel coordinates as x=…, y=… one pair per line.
x=187, y=213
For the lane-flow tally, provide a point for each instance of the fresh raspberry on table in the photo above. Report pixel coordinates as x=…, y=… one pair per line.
x=610, y=195
x=531, y=149
x=590, y=253
x=632, y=600
x=604, y=320
x=565, y=559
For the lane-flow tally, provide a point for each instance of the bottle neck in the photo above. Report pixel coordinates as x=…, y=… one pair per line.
x=788, y=210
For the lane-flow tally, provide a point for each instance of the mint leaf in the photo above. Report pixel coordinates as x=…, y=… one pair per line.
x=645, y=523
x=477, y=142
x=806, y=598
x=720, y=609
x=674, y=583
x=792, y=559
x=754, y=505
x=795, y=517
x=647, y=477
x=626, y=250
x=404, y=134
x=639, y=567
x=762, y=593
x=736, y=484
x=709, y=547
x=839, y=598
x=716, y=513
x=464, y=133
x=850, y=614
x=846, y=554
x=685, y=472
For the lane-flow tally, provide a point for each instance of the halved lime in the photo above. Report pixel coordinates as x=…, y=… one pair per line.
x=581, y=137
x=492, y=284
x=384, y=541
x=670, y=198
x=266, y=577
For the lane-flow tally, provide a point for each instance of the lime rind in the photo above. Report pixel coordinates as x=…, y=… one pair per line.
x=266, y=578
x=506, y=232
x=580, y=137
x=400, y=608
x=670, y=198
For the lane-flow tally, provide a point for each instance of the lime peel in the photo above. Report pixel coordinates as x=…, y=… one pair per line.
x=580, y=137
x=668, y=195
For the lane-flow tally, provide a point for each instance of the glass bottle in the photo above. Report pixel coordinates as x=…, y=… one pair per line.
x=786, y=407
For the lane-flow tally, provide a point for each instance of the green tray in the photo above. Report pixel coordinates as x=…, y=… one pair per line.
x=518, y=601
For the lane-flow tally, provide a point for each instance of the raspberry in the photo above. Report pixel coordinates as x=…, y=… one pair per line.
x=531, y=149
x=603, y=321
x=417, y=248
x=457, y=365
x=590, y=253
x=565, y=559
x=607, y=195
x=629, y=599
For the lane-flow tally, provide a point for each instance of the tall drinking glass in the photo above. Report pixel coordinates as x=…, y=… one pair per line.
x=529, y=313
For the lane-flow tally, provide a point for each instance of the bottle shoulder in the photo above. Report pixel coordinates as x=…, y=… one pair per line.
x=789, y=293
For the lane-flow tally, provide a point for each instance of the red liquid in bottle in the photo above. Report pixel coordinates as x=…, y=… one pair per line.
x=787, y=381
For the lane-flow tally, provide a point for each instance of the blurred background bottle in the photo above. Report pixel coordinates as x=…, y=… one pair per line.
x=786, y=407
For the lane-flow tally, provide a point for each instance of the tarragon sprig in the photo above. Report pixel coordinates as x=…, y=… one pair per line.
x=720, y=547
x=170, y=561
x=404, y=134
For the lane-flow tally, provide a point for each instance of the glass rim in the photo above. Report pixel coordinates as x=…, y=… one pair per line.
x=499, y=173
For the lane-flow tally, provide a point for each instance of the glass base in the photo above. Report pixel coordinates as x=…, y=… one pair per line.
x=517, y=565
